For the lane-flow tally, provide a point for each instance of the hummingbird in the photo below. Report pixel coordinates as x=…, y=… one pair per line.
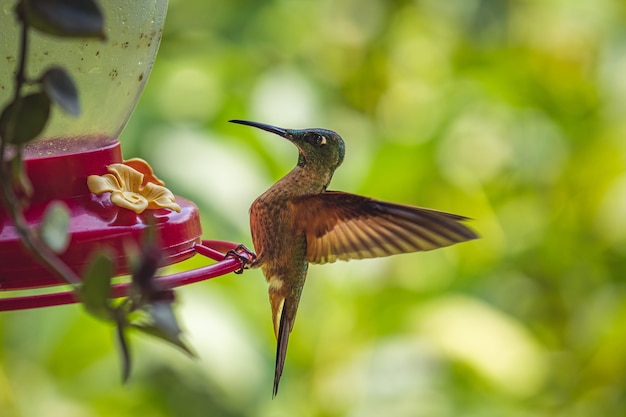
x=298, y=221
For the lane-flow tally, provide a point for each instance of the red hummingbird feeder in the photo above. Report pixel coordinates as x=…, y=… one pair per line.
x=111, y=201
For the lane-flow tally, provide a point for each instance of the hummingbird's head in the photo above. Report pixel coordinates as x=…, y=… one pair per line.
x=318, y=148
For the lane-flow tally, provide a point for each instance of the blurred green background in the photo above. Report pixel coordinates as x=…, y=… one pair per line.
x=509, y=112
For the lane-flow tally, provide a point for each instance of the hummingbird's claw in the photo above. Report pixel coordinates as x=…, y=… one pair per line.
x=245, y=256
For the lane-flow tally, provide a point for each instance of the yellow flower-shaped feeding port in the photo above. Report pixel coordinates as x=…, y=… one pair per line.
x=130, y=190
x=142, y=166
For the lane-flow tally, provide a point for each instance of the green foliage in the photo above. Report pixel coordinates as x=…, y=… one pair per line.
x=159, y=321
x=66, y=18
x=148, y=310
x=125, y=356
x=22, y=120
x=61, y=90
x=54, y=228
x=95, y=292
x=19, y=179
x=25, y=117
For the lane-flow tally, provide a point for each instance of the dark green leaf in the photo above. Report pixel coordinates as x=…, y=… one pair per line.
x=163, y=325
x=23, y=120
x=55, y=226
x=68, y=18
x=60, y=87
x=96, y=288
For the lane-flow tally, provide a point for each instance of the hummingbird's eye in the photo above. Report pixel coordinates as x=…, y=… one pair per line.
x=315, y=139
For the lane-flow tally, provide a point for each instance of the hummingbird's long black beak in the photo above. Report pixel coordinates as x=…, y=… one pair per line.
x=269, y=128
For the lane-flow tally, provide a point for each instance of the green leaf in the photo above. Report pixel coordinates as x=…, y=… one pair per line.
x=67, y=18
x=96, y=288
x=23, y=120
x=162, y=324
x=60, y=87
x=54, y=229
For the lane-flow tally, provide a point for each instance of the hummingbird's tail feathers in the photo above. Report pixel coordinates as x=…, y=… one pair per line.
x=281, y=348
x=342, y=226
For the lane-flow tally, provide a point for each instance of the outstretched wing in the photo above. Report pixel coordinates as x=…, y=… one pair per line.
x=347, y=226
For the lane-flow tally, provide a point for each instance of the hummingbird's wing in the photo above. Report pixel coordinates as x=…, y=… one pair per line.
x=347, y=226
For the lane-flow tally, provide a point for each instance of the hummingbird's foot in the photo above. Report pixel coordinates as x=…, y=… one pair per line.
x=245, y=256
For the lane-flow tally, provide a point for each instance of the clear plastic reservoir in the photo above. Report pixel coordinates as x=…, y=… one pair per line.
x=109, y=74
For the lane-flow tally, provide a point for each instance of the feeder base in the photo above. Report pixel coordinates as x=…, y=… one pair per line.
x=95, y=223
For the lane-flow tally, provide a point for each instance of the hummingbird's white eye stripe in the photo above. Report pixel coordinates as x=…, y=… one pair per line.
x=323, y=141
